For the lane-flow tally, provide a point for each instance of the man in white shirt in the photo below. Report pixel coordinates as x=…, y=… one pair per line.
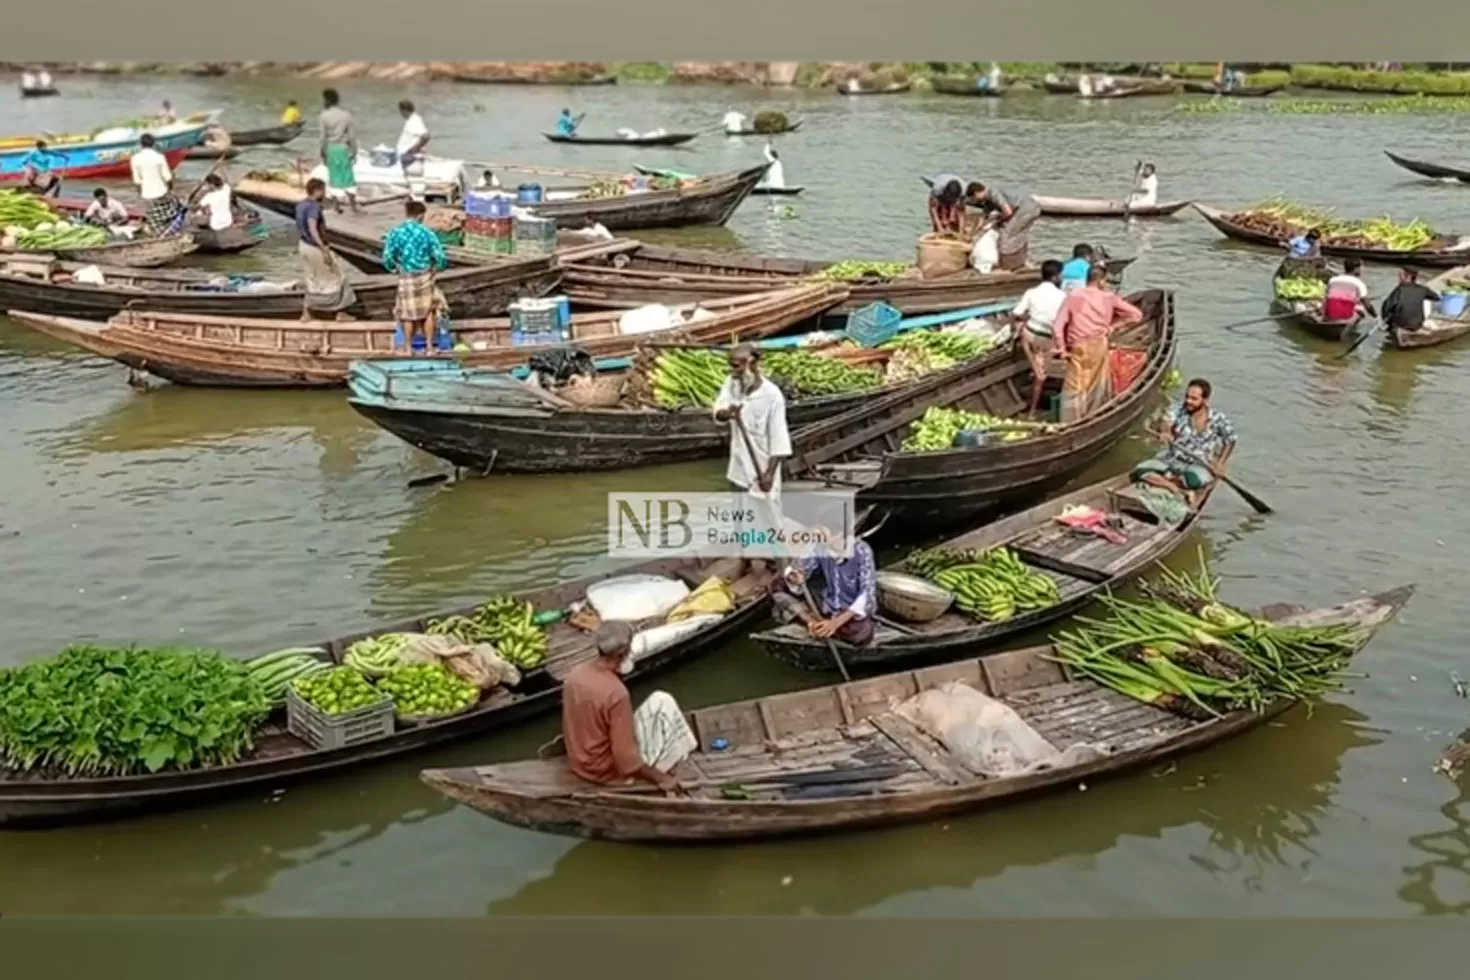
x=734, y=122
x=411, y=143
x=1147, y=193
x=775, y=172
x=104, y=210
x=154, y=180
x=217, y=205
x=1036, y=315
x=759, y=439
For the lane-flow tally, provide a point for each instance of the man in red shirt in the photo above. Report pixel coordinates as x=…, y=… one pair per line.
x=606, y=740
x=1080, y=334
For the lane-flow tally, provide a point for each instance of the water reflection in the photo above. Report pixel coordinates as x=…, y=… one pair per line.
x=1441, y=884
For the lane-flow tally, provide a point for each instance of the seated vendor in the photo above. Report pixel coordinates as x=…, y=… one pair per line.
x=1199, y=443
x=847, y=603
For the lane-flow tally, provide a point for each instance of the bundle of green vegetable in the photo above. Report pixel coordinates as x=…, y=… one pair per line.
x=1403, y=105
x=803, y=373
x=770, y=121
x=937, y=428
x=96, y=711
x=21, y=211
x=685, y=377
x=375, y=656
x=505, y=622
x=1300, y=289
x=427, y=690
x=59, y=234
x=337, y=691
x=275, y=671
x=851, y=270
x=923, y=352
x=1181, y=649
x=992, y=586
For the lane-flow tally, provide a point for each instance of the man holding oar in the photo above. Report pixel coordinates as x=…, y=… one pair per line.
x=1199, y=443
x=846, y=608
x=759, y=439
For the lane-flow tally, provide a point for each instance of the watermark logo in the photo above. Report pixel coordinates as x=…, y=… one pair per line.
x=674, y=524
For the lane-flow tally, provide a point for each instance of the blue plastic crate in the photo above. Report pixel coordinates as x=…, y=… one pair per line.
x=873, y=324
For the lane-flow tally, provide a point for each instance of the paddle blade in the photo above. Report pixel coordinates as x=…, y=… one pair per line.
x=1256, y=503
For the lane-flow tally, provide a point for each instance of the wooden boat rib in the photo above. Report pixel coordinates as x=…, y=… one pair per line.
x=521, y=80
x=663, y=139
x=268, y=135
x=1243, y=92
x=280, y=758
x=484, y=423
x=191, y=349
x=861, y=449
x=1094, y=207
x=477, y=291
x=1081, y=563
x=839, y=758
x=1434, y=171
x=657, y=274
x=1429, y=257
x=146, y=253
x=968, y=85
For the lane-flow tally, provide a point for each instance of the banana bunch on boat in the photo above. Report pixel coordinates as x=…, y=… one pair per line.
x=275, y=672
x=1300, y=289
x=506, y=623
x=992, y=587
x=936, y=429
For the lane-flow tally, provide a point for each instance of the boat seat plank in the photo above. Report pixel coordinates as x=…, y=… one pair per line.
x=873, y=695
x=964, y=671
x=1141, y=545
x=933, y=757
x=1017, y=670
x=1037, y=695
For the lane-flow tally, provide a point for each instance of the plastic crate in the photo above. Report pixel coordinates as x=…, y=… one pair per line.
x=323, y=731
x=535, y=230
x=449, y=237
x=873, y=324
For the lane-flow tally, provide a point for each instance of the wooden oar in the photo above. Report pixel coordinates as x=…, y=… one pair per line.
x=1128, y=201
x=1257, y=319
x=1359, y=342
x=1256, y=503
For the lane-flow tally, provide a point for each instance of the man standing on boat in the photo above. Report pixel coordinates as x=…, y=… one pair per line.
x=756, y=412
x=417, y=255
x=1081, y=332
x=327, y=288
x=1015, y=213
x=339, y=149
x=40, y=177
x=1036, y=316
x=155, y=183
x=607, y=742
x=1075, y=269
x=411, y=143
x=847, y=604
x=775, y=172
x=1200, y=442
x=947, y=205
x=1147, y=193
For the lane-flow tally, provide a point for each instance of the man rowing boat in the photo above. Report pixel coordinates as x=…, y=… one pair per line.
x=1199, y=443
x=1404, y=309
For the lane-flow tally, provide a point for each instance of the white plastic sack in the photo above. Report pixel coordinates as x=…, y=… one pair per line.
x=986, y=735
x=89, y=275
x=652, y=640
x=985, y=255
x=631, y=598
x=647, y=319
x=699, y=314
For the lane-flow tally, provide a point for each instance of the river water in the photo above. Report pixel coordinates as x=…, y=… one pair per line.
x=255, y=520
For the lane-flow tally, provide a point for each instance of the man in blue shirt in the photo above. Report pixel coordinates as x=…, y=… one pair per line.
x=1074, y=271
x=847, y=601
x=38, y=165
x=416, y=254
x=566, y=125
x=1306, y=246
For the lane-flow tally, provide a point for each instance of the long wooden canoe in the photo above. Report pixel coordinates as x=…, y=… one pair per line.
x=1437, y=329
x=1133, y=89
x=228, y=242
x=1095, y=207
x=1082, y=564
x=1226, y=224
x=1434, y=171
x=1307, y=314
x=854, y=88
x=236, y=352
x=965, y=85
x=486, y=422
x=791, y=127
x=1059, y=86
x=145, y=253
x=522, y=80
x=931, y=490
x=280, y=758
x=663, y=139
x=658, y=274
x=266, y=135
x=1243, y=92
x=839, y=758
x=475, y=291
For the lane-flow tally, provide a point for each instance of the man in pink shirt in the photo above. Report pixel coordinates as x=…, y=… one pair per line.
x=1088, y=315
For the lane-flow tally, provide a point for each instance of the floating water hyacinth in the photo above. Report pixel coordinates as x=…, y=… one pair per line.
x=1405, y=105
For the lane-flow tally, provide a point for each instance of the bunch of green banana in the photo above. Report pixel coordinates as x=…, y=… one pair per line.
x=926, y=562
x=936, y=429
x=997, y=587
x=375, y=656
x=688, y=377
x=1032, y=590
x=1300, y=288
x=275, y=671
x=510, y=624
x=804, y=373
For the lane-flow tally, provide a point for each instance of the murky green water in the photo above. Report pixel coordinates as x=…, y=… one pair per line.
x=251, y=520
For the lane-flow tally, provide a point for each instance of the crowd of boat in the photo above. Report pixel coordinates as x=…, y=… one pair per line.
x=545, y=363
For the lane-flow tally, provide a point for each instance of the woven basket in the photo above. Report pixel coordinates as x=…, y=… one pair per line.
x=939, y=256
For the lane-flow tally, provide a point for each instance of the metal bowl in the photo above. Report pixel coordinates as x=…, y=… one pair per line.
x=911, y=598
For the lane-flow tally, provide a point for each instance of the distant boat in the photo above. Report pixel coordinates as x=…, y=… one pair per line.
x=663, y=139
x=85, y=158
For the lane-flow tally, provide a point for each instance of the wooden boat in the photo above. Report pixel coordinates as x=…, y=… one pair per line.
x=231, y=240
x=236, y=352
x=142, y=253
x=267, y=135
x=1059, y=86
x=1133, y=88
x=1243, y=92
x=791, y=127
x=1307, y=315
x=1082, y=564
x=1093, y=207
x=966, y=85
x=86, y=159
x=212, y=153
x=475, y=291
x=39, y=92
x=280, y=758
x=930, y=490
x=1432, y=257
x=658, y=274
x=853, y=87
x=484, y=421
x=762, y=190
x=663, y=139
x=1434, y=171
x=1437, y=329
x=520, y=80
x=839, y=758
x=710, y=202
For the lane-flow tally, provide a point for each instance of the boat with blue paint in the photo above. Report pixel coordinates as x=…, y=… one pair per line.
x=108, y=153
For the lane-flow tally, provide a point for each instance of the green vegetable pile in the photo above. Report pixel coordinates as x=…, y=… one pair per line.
x=375, y=656
x=853, y=270
x=21, y=210
x=337, y=691
x=1181, y=649
x=1405, y=105
x=1284, y=219
x=687, y=377
x=937, y=428
x=505, y=622
x=99, y=711
x=993, y=586
x=1302, y=289
x=275, y=671
x=770, y=121
x=805, y=374
x=427, y=690
x=921, y=352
